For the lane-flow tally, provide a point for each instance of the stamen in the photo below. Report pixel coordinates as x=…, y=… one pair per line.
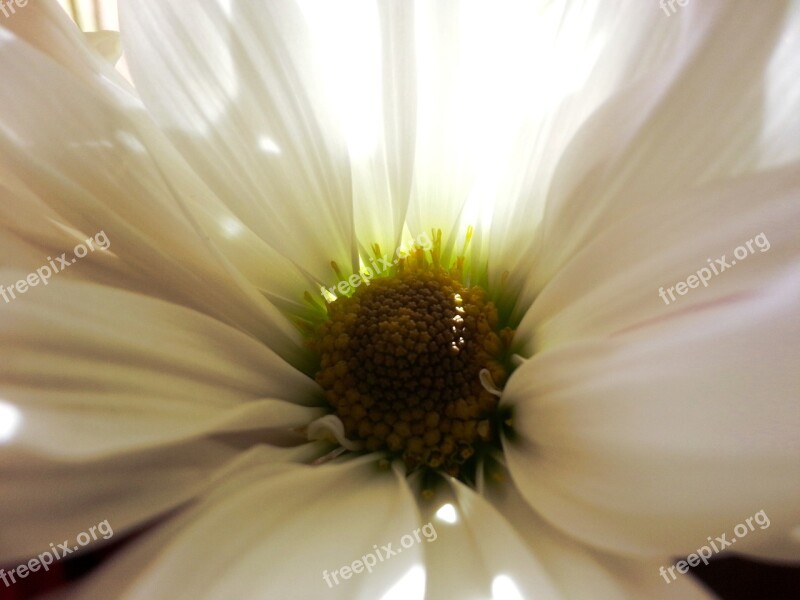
x=488, y=384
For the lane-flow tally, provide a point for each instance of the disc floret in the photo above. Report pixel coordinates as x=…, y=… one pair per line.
x=401, y=362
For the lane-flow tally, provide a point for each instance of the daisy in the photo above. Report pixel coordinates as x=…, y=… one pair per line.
x=509, y=392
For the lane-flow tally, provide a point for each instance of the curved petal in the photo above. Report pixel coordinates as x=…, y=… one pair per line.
x=578, y=571
x=93, y=370
x=366, y=50
x=274, y=532
x=651, y=440
x=707, y=115
x=110, y=170
x=31, y=231
x=250, y=108
x=501, y=90
x=475, y=553
x=46, y=26
x=575, y=56
x=45, y=500
x=630, y=276
x=106, y=43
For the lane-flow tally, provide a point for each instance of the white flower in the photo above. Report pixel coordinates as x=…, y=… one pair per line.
x=599, y=151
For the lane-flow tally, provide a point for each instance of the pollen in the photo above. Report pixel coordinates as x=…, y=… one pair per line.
x=403, y=363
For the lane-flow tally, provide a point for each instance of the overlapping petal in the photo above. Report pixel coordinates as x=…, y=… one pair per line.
x=251, y=537
x=87, y=381
x=247, y=106
x=577, y=571
x=476, y=553
x=651, y=440
x=734, y=238
x=47, y=500
x=112, y=170
x=716, y=110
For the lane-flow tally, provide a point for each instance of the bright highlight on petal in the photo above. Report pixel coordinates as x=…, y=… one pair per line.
x=504, y=588
x=351, y=66
x=10, y=419
x=447, y=513
x=232, y=227
x=411, y=585
x=268, y=145
x=227, y=6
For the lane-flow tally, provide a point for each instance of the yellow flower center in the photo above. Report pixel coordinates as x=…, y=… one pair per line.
x=404, y=363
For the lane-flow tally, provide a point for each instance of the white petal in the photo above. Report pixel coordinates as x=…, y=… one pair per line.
x=622, y=279
x=94, y=370
x=272, y=532
x=698, y=119
x=109, y=169
x=106, y=43
x=46, y=26
x=249, y=107
x=31, y=230
x=578, y=571
x=42, y=501
x=366, y=52
x=575, y=56
x=642, y=579
x=502, y=90
x=654, y=439
x=475, y=551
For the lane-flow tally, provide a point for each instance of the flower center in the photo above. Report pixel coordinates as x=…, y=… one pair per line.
x=402, y=363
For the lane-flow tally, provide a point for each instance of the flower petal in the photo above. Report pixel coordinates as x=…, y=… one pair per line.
x=106, y=43
x=45, y=26
x=476, y=553
x=578, y=571
x=250, y=109
x=651, y=440
x=45, y=500
x=110, y=170
x=699, y=119
x=626, y=278
x=274, y=532
x=575, y=57
x=94, y=370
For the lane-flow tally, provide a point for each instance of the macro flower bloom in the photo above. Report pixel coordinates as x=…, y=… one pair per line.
x=533, y=399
